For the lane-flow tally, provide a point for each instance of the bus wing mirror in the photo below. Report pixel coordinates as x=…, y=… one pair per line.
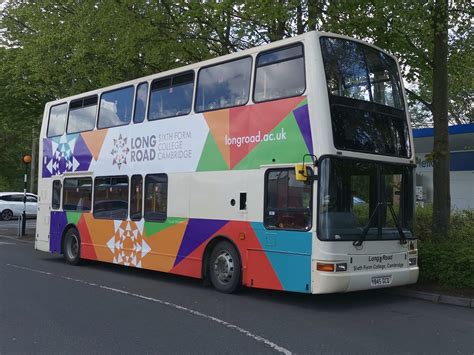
x=300, y=173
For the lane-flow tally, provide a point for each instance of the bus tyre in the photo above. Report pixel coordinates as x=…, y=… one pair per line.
x=225, y=267
x=72, y=246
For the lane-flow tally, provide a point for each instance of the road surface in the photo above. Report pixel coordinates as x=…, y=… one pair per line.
x=49, y=307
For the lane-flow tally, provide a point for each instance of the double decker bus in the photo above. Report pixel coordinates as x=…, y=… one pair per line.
x=287, y=166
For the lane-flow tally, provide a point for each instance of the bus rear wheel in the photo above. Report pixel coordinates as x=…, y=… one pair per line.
x=72, y=247
x=225, y=267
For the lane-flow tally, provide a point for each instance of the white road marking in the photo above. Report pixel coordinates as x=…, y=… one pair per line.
x=255, y=337
x=6, y=243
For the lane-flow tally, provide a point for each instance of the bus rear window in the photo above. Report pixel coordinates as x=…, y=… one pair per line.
x=280, y=73
x=82, y=115
x=224, y=85
x=171, y=96
x=57, y=120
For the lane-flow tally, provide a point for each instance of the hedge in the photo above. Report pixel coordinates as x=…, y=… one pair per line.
x=449, y=263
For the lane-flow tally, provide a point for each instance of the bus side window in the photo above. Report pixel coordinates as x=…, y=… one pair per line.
x=77, y=193
x=82, y=114
x=57, y=120
x=111, y=197
x=280, y=73
x=140, y=103
x=224, y=85
x=136, y=197
x=116, y=107
x=156, y=197
x=171, y=96
x=56, y=200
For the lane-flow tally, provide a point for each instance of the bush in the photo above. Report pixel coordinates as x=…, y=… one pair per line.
x=450, y=263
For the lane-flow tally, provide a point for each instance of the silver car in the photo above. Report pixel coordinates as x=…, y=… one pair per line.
x=11, y=205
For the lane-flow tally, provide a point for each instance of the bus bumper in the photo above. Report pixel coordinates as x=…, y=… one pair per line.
x=330, y=282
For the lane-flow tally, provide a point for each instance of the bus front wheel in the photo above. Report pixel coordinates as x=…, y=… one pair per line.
x=225, y=267
x=72, y=246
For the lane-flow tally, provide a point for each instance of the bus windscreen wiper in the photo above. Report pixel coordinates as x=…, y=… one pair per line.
x=403, y=239
x=358, y=242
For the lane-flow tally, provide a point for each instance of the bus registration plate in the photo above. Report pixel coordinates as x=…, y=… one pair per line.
x=381, y=280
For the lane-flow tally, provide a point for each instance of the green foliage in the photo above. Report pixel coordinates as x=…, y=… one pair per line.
x=449, y=263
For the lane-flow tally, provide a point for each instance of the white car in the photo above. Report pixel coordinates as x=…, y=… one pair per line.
x=11, y=205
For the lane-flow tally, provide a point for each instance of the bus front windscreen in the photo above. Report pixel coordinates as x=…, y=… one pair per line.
x=366, y=101
x=361, y=199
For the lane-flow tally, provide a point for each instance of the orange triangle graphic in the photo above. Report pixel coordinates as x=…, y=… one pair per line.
x=94, y=141
x=164, y=245
x=218, y=122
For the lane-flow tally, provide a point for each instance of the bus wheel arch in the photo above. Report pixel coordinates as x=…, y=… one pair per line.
x=225, y=249
x=71, y=244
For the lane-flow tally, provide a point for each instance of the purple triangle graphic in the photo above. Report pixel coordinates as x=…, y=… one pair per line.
x=302, y=118
x=82, y=154
x=47, y=156
x=197, y=232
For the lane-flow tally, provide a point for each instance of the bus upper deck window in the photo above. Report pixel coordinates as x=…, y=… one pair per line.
x=224, y=85
x=116, y=107
x=171, y=96
x=82, y=115
x=57, y=120
x=140, y=103
x=280, y=73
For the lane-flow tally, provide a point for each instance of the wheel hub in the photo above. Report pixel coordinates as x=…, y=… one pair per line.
x=224, y=267
x=6, y=215
x=73, y=247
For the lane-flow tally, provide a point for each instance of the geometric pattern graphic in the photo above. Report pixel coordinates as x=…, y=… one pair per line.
x=120, y=151
x=279, y=260
x=286, y=119
x=243, y=137
x=67, y=153
x=127, y=244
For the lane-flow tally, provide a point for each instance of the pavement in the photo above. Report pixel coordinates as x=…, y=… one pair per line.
x=47, y=306
x=10, y=228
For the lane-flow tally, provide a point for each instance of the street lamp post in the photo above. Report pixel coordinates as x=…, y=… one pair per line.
x=26, y=161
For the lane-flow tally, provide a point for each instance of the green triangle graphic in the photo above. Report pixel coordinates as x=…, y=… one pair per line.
x=155, y=227
x=302, y=103
x=73, y=217
x=288, y=150
x=211, y=157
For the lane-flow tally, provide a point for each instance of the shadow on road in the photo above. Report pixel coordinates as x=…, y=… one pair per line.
x=329, y=302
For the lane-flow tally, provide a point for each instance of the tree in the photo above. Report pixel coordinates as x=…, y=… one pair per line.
x=433, y=42
x=441, y=193
x=53, y=49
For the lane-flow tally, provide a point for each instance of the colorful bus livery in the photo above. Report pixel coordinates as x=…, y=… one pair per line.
x=231, y=139
x=287, y=167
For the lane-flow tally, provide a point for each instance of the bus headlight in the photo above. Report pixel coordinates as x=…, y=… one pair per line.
x=411, y=261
